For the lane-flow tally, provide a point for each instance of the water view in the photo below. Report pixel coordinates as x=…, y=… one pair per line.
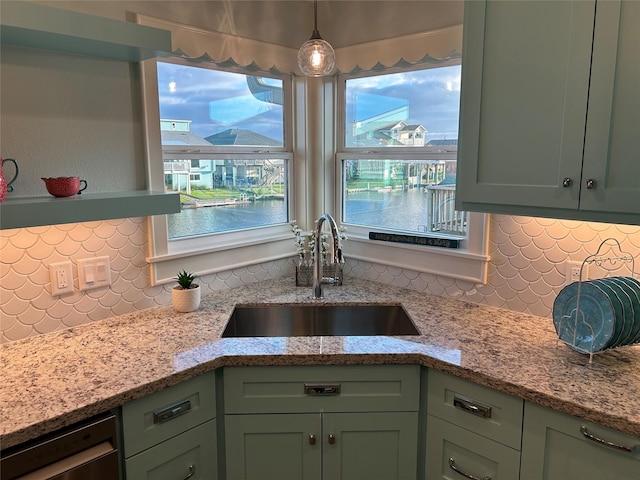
x=404, y=210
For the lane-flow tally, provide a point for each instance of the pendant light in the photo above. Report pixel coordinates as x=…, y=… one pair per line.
x=316, y=57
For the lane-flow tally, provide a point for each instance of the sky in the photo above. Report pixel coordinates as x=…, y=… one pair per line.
x=215, y=101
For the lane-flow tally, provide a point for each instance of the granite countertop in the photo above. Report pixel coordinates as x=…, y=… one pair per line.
x=57, y=379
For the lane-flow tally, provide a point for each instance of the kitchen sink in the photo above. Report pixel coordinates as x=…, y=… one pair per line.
x=302, y=320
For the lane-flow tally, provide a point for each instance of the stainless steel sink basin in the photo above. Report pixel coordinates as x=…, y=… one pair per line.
x=302, y=320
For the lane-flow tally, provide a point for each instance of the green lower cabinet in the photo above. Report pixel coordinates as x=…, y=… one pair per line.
x=556, y=446
x=322, y=446
x=454, y=453
x=273, y=446
x=191, y=454
x=371, y=446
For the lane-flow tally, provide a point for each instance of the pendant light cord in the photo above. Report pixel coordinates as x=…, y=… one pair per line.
x=316, y=34
x=315, y=14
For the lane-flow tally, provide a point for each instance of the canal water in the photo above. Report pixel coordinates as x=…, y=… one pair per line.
x=403, y=210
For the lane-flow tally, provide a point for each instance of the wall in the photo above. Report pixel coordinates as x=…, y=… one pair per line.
x=525, y=275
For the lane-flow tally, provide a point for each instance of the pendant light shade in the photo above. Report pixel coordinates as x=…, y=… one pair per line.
x=316, y=57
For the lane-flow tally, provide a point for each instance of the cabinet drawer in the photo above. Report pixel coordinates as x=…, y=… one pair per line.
x=487, y=412
x=294, y=389
x=453, y=452
x=556, y=446
x=164, y=414
x=192, y=452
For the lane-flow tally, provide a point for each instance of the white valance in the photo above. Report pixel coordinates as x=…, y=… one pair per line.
x=231, y=50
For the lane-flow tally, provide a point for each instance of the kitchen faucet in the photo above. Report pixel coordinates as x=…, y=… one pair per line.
x=337, y=253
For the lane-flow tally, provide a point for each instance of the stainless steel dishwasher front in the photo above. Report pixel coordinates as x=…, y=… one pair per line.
x=87, y=450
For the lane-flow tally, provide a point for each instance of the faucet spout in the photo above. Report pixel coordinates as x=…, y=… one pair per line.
x=337, y=252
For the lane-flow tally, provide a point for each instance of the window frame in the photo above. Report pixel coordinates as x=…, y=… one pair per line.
x=468, y=262
x=206, y=254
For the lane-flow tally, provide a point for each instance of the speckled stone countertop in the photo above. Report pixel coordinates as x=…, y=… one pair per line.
x=57, y=379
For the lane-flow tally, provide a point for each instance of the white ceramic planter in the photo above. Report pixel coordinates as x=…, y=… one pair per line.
x=185, y=300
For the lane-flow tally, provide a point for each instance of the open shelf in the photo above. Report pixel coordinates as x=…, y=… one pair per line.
x=38, y=211
x=36, y=26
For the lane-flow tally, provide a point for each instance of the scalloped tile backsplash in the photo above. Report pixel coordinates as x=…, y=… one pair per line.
x=525, y=274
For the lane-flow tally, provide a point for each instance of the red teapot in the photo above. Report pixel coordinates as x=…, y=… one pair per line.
x=4, y=185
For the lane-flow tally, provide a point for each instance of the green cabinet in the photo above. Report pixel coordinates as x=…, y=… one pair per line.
x=472, y=431
x=561, y=447
x=550, y=108
x=188, y=455
x=319, y=423
x=172, y=433
x=454, y=453
x=316, y=446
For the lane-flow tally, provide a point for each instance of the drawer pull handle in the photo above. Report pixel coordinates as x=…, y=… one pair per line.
x=322, y=388
x=192, y=471
x=591, y=184
x=566, y=182
x=474, y=408
x=332, y=439
x=312, y=439
x=172, y=411
x=452, y=464
x=606, y=443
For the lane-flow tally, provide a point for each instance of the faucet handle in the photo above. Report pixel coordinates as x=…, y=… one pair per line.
x=340, y=256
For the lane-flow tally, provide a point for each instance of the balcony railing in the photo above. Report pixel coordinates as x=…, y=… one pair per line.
x=177, y=166
x=442, y=215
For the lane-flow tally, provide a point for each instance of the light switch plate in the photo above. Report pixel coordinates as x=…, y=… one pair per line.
x=94, y=272
x=61, y=278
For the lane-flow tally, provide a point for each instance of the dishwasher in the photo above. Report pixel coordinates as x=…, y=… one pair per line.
x=87, y=450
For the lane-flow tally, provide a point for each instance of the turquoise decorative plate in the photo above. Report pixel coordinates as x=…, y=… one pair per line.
x=612, y=292
x=628, y=297
x=634, y=284
x=591, y=328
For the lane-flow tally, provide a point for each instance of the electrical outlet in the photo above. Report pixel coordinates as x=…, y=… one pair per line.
x=572, y=271
x=61, y=278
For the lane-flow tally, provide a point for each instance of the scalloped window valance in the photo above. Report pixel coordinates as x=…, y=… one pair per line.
x=227, y=50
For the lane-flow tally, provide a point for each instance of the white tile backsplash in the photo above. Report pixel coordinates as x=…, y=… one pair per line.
x=525, y=274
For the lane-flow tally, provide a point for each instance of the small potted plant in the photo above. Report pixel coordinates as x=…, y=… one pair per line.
x=186, y=295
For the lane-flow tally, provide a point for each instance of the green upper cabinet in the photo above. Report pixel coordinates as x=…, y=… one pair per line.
x=612, y=141
x=532, y=85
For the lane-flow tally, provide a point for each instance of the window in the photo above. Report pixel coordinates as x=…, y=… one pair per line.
x=216, y=129
x=397, y=168
x=389, y=118
x=223, y=142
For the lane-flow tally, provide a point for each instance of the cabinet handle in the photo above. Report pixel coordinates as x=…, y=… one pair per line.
x=322, y=388
x=192, y=471
x=606, y=443
x=472, y=407
x=452, y=464
x=332, y=439
x=172, y=411
x=566, y=182
x=312, y=439
x=591, y=184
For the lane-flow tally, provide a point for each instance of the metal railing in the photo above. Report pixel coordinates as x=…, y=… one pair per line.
x=442, y=215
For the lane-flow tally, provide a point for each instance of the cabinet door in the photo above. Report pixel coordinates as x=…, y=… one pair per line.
x=525, y=79
x=612, y=143
x=453, y=452
x=555, y=448
x=273, y=446
x=375, y=446
x=192, y=454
